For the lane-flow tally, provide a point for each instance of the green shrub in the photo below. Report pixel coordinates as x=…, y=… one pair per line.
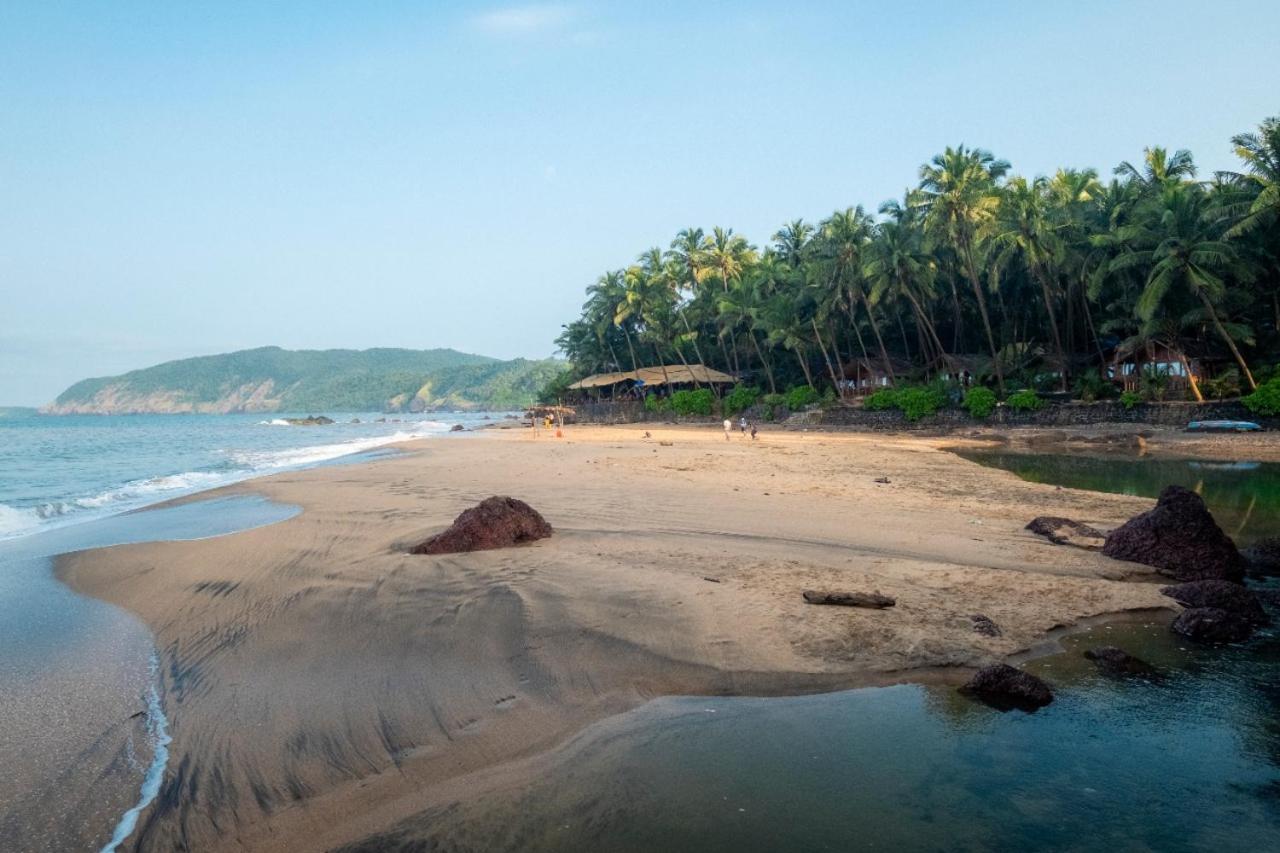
x=1025, y=400
x=741, y=398
x=654, y=403
x=1091, y=386
x=879, y=401
x=980, y=402
x=1154, y=382
x=1223, y=386
x=699, y=402
x=1266, y=400
x=801, y=397
x=1129, y=399
x=916, y=401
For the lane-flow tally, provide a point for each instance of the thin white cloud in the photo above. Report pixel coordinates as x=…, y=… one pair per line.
x=522, y=20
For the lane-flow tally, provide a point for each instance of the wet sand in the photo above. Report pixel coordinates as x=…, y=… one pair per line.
x=323, y=685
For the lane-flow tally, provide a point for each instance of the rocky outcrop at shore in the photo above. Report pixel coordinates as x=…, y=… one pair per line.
x=1179, y=538
x=1064, y=531
x=1213, y=625
x=1006, y=688
x=1223, y=595
x=496, y=522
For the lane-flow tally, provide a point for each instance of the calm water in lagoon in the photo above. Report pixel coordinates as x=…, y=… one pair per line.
x=1243, y=496
x=1190, y=763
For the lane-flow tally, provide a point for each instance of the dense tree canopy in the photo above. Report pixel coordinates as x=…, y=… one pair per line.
x=1045, y=278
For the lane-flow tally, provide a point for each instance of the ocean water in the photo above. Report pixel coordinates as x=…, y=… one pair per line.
x=83, y=731
x=56, y=471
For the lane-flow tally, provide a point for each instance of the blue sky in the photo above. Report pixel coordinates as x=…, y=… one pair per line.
x=186, y=178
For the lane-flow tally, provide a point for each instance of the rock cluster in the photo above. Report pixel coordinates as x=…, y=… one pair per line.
x=496, y=522
x=1116, y=661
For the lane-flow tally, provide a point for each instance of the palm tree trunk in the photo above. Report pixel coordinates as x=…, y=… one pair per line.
x=835, y=383
x=768, y=371
x=1097, y=342
x=1053, y=323
x=875, y=327
x=986, y=319
x=804, y=365
x=697, y=350
x=1217, y=323
x=937, y=341
x=634, y=364
x=1191, y=377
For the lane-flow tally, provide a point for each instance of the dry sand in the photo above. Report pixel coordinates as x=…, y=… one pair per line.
x=322, y=684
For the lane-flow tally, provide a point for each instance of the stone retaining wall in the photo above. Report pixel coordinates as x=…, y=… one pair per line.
x=1052, y=415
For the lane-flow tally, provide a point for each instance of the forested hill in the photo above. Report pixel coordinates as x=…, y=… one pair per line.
x=271, y=379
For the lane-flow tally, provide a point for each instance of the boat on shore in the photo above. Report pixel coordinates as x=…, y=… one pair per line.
x=1223, y=426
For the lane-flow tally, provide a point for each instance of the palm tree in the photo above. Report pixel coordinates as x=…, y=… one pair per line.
x=899, y=266
x=1260, y=182
x=1176, y=242
x=958, y=196
x=1023, y=231
x=1159, y=169
x=603, y=299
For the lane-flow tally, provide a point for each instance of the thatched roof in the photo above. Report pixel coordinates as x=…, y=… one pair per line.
x=676, y=374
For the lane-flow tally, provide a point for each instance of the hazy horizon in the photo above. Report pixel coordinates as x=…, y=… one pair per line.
x=190, y=180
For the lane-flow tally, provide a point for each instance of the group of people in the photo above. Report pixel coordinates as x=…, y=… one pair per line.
x=743, y=427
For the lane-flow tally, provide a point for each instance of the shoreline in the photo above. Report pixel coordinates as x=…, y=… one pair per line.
x=532, y=645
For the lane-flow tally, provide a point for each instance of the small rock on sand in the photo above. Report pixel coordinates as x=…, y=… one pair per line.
x=984, y=626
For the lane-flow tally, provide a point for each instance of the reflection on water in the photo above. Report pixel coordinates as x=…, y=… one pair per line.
x=1189, y=762
x=1243, y=496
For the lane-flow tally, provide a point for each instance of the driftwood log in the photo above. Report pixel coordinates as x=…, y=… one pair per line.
x=873, y=600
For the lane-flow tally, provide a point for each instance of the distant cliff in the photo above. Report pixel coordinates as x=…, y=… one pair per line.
x=271, y=379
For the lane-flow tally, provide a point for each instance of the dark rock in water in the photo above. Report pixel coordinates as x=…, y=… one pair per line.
x=873, y=600
x=1263, y=555
x=983, y=625
x=1268, y=597
x=1224, y=595
x=1114, y=661
x=1213, y=625
x=1064, y=531
x=497, y=522
x=311, y=420
x=1005, y=687
x=1179, y=537
x=457, y=428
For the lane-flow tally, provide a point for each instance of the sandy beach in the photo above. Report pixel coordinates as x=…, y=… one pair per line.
x=323, y=685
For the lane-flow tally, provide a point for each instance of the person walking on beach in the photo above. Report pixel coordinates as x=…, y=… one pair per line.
x=728, y=428
x=753, y=432
x=742, y=425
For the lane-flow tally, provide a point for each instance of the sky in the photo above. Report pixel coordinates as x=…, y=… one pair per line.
x=188, y=178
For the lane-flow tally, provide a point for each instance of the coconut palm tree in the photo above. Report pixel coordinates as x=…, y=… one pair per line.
x=1024, y=232
x=1260, y=182
x=958, y=196
x=1182, y=250
x=899, y=266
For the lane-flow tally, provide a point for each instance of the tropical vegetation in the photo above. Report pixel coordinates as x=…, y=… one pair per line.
x=1038, y=282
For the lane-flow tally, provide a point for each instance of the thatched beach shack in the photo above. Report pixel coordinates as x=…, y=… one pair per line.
x=638, y=384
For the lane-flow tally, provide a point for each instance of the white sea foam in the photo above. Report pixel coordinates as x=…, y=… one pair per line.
x=241, y=465
x=158, y=732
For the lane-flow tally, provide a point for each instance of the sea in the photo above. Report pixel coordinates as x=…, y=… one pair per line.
x=60, y=470
x=83, y=730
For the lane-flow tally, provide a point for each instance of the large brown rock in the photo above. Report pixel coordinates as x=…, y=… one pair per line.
x=1006, y=687
x=1064, y=531
x=1224, y=595
x=1179, y=538
x=873, y=600
x=497, y=522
